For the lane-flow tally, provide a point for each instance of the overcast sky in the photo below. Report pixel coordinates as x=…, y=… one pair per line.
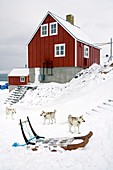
x=19, y=19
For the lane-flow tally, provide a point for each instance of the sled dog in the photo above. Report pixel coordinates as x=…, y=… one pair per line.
x=75, y=122
x=10, y=111
x=49, y=115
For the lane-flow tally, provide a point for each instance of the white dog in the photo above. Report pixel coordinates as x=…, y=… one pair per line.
x=10, y=111
x=49, y=116
x=75, y=122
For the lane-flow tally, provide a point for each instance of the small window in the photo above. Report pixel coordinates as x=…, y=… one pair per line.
x=86, y=51
x=53, y=28
x=60, y=50
x=44, y=30
x=22, y=79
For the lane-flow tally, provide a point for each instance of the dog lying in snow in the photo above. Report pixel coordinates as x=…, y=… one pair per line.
x=49, y=115
x=75, y=122
x=10, y=111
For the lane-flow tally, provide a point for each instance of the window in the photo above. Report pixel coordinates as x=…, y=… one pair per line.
x=60, y=50
x=53, y=28
x=44, y=30
x=22, y=79
x=86, y=51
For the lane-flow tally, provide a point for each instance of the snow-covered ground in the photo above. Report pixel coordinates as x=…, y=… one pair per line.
x=90, y=95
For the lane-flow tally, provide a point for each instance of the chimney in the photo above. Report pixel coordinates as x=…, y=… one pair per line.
x=70, y=18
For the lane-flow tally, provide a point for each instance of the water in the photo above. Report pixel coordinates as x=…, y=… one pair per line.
x=3, y=77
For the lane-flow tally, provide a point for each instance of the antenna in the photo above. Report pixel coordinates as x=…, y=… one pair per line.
x=110, y=58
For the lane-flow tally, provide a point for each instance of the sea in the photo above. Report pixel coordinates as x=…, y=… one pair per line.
x=3, y=77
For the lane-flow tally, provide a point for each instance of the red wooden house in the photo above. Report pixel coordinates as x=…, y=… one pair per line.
x=60, y=49
x=18, y=77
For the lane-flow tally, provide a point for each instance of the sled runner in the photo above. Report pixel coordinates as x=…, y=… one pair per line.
x=79, y=145
x=65, y=143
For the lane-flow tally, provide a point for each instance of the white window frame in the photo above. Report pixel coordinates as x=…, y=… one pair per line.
x=44, y=25
x=53, y=23
x=22, y=79
x=59, y=45
x=86, y=51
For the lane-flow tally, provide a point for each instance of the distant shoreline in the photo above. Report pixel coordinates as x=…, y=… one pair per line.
x=3, y=77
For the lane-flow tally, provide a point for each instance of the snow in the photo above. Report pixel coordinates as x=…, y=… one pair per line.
x=19, y=72
x=89, y=95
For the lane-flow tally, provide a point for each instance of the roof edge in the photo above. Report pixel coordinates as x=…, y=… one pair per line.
x=53, y=15
x=38, y=27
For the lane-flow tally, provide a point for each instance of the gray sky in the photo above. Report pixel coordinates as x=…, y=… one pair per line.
x=19, y=19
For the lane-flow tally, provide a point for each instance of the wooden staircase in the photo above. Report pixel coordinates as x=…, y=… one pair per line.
x=16, y=95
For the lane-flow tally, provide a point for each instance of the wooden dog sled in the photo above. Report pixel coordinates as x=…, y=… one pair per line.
x=64, y=142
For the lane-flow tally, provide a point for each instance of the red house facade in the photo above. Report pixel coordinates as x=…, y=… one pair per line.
x=60, y=49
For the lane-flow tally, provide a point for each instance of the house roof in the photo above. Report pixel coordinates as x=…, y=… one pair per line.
x=73, y=30
x=17, y=72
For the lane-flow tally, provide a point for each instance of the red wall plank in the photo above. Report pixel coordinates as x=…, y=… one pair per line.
x=42, y=49
x=94, y=56
x=16, y=81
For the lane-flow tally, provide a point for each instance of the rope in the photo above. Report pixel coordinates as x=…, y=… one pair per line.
x=17, y=144
x=31, y=137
